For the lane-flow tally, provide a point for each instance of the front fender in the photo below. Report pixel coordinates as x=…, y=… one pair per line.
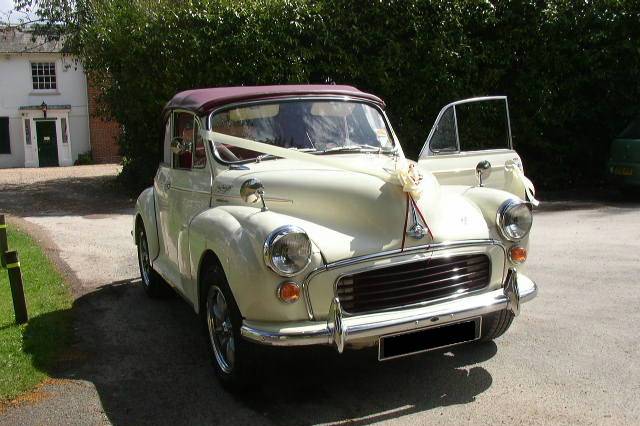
x=489, y=201
x=146, y=210
x=236, y=235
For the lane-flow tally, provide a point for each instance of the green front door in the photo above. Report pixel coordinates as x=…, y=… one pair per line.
x=47, y=143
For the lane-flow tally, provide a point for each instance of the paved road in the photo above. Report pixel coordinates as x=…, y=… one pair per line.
x=571, y=357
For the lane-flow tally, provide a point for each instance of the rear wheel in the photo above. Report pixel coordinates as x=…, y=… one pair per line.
x=495, y=324
x=152, y=282
x=232, y=356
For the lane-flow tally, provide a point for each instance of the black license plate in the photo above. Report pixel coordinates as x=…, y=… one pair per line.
x=414, y=342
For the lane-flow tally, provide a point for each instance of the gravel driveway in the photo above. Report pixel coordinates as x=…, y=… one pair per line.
x=569, y=358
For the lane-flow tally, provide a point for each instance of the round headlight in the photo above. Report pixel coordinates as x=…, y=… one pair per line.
x=287, y=251
x=514, y=219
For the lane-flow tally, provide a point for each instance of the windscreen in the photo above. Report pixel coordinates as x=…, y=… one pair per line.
x=317, y=126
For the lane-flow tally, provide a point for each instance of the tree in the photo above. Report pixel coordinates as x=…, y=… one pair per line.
x=56, y=19
x=571, y=69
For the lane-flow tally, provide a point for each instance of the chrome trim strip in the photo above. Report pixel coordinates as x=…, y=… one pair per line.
x=434, y=246
x=512, y=292
x=313, y=334
x=471, y=153
x=341, y=330
x=193, y=191
x=307, y=297
x=527, y=289
x=335, y=325
x=388, y=254
x=455, y=122
x=272, y=199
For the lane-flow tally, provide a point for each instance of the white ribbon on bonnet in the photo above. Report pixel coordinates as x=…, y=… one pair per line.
x=406, y=175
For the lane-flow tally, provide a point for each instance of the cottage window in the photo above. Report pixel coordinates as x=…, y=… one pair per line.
x=5, y=143
x=43, y=75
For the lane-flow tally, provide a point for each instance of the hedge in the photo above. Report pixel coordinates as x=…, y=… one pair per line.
x=571, y=69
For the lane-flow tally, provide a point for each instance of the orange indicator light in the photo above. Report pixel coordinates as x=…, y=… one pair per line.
x=518, y=254
x=289, y=292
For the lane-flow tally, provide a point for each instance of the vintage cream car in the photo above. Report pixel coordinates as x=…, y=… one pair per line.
x=289, y=215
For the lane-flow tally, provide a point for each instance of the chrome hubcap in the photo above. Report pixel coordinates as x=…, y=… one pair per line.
x=143, y=255
x=220, y=329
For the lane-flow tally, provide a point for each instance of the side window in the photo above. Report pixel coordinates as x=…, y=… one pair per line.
x=483, y=125
x=445, y=135
x=199, y=153
x=183, y=132
x=475, y=124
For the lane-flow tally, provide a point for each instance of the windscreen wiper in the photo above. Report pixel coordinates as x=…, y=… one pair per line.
x=356, y=148
x=262, y=157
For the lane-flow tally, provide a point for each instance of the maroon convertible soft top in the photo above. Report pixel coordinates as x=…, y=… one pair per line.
x=203, y=101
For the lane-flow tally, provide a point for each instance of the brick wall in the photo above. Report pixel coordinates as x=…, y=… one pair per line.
x=103, y=133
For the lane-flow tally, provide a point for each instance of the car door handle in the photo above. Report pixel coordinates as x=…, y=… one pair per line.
x=167, y=186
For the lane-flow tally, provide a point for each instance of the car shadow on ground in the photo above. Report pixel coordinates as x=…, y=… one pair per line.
x=88, y=195
x=149, y=363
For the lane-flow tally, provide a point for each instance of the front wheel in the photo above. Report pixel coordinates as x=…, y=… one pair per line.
x=495, y=324
x=232, y=355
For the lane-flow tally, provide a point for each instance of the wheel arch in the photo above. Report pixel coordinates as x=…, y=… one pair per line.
x=207, y=258
x=138, y=221
x=233, y=237
x=145, y=214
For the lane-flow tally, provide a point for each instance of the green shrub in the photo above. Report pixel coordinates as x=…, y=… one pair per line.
x=571, y=69
x=84, y=159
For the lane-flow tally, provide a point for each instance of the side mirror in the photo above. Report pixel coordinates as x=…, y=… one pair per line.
x=251, y=191
x=483, y=171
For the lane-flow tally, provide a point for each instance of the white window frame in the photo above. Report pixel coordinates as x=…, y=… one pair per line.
x=55, y=75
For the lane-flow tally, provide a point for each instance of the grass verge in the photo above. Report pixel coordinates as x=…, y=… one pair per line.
x=28, y=352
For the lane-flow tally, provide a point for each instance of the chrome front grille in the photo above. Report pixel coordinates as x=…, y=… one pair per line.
x=414, y=282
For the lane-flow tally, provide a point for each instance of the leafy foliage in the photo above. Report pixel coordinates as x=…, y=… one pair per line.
x=55, y=18
x=571, y=68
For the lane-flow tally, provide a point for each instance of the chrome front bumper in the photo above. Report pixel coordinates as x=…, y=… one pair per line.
x=341, y=329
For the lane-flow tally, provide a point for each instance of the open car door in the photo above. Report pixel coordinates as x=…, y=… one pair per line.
x=474, y=134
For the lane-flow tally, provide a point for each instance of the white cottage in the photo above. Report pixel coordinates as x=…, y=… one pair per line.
x=44, y=111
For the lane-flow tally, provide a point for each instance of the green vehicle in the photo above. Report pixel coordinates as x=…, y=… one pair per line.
x=624, y=162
